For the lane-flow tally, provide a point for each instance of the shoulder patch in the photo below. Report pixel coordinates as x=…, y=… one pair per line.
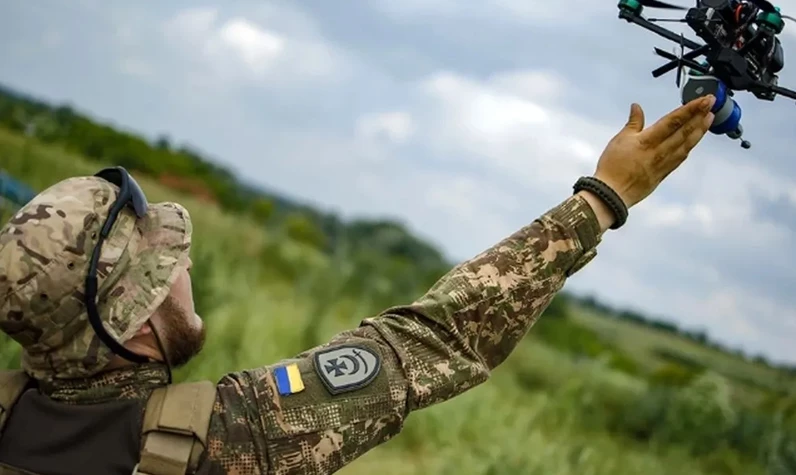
x=347, y=367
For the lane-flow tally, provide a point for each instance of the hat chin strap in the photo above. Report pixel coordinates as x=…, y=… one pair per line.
x=162, y=349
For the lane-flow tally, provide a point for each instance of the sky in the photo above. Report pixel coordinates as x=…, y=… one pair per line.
x=463, y=120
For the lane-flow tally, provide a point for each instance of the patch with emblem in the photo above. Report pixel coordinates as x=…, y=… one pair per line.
x=347, y=368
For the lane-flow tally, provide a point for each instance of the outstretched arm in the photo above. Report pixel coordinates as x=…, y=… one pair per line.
x=427, y=352
x=470, y=321
x=324, y=408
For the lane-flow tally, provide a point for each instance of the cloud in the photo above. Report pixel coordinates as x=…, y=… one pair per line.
x=251, y=49
x=525, y=11
x=510, y=124
x=193, y=23
x=394, y=127
x=136, y=67
x=255, y=46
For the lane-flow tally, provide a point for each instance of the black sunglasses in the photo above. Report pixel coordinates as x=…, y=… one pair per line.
x=130, y=194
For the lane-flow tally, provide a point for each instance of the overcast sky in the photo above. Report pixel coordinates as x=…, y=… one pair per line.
x=464, y=122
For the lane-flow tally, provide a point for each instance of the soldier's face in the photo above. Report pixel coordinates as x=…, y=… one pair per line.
x=182, y=329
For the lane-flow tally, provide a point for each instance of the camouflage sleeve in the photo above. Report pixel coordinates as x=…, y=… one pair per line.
x=319, y=411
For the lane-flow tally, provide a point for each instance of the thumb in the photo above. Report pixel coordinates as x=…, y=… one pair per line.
x=636, y=120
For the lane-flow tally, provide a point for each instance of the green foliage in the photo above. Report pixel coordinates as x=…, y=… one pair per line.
x=700, y=415
x=680, y=359
x=699, y=337
x=673, y=374
x=725, y=462
x=622, y=361
x=262, y=209
x=206, y=294
x=559, y=308
x=557, y=329
x=570, y=337
x=653, y=348
x=392, y=239
x=299, y=228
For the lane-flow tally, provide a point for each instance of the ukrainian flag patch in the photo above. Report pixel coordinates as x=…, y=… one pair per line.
x=288, y=379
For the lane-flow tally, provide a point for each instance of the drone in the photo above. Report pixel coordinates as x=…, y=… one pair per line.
x=741, y=53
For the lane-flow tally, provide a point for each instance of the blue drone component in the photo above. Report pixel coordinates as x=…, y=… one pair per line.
x=726, y=112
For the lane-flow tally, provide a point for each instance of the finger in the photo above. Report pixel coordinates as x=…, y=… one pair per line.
x=697, y=125
x=635, y=122
x=673, y=121
x=670, y=124
x=690, y=140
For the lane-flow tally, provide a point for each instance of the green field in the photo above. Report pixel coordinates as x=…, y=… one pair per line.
x=583, y=394
x=653, y=348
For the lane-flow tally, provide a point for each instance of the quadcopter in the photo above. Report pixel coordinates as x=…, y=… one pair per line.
x=741, y=53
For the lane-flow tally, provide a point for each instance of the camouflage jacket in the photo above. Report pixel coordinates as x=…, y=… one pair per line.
x=416, y=355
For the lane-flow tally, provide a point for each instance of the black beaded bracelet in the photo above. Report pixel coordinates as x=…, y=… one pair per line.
x=607, y=195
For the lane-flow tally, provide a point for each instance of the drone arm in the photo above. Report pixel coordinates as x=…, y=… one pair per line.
x=783, y=91
x=668, y=34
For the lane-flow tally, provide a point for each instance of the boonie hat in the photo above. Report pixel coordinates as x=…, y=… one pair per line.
x=45, y=250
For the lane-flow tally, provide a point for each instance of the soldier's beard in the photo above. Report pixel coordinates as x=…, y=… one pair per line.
x=183, y=341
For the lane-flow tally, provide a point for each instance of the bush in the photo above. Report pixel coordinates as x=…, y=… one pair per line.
x=724, y=462
x=570, y=337
x=672, y=374
x=557, y=309
x=301, y=229
x=781, y=459
x=644, y=417
x=700, y=415
x=623, y=362
x=752, y=433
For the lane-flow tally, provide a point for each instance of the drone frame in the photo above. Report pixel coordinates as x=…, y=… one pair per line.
x=760, y=89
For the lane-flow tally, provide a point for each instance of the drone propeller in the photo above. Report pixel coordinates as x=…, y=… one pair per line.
x=685, y=57
x=680, y=63
x=677, y=61
x=659, y=4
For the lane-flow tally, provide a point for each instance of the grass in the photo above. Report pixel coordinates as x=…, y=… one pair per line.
x=544, y=411
x=653, y=348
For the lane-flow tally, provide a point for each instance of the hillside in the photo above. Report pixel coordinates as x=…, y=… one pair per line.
x=592, y=389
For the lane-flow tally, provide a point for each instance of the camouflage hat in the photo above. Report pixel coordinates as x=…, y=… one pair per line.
x=45, y=250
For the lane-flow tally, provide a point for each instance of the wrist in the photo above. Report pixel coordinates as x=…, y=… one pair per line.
x=605, y=217
x=608, y=199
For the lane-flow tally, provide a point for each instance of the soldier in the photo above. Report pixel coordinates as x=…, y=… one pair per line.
x=96, y=288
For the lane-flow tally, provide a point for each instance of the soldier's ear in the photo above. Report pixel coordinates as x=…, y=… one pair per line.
x=146, y=329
